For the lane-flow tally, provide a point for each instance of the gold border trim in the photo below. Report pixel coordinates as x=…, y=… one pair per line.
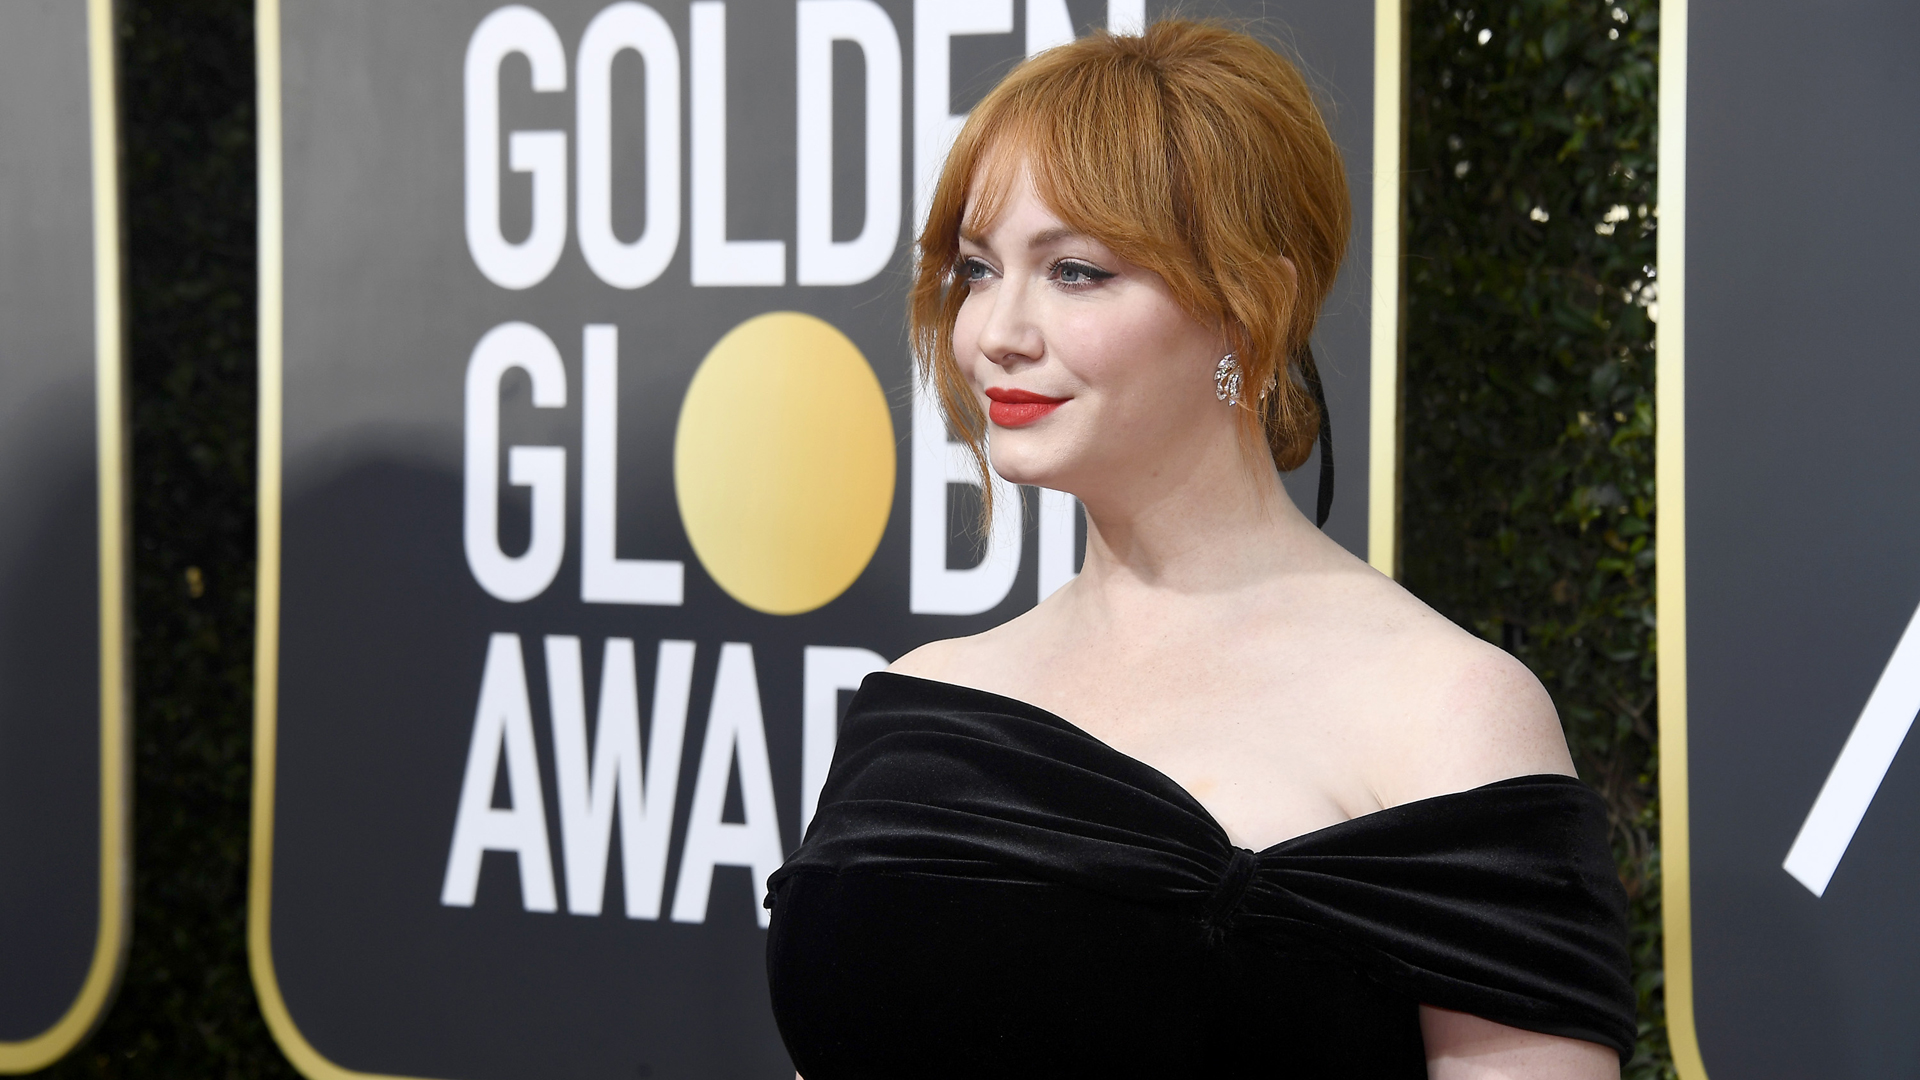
x=110, y=415
x=266, y=642
x=1384, y=309
x=1670, y=589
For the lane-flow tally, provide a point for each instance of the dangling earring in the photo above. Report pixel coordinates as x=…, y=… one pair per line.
x=1226, y=380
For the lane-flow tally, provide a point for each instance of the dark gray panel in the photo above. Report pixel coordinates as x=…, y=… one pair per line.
x=1803, y=462
x=49, y=627
x=383, y=629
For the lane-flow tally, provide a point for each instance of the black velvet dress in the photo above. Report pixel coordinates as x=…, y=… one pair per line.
x=988, y=890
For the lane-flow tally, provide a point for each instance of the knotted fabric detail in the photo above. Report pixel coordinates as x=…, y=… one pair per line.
x=1226, y=898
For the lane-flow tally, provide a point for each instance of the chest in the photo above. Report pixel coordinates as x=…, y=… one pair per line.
x=1271, y=740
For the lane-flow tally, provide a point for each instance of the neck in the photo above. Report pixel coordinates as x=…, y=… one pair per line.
x=1218, y=522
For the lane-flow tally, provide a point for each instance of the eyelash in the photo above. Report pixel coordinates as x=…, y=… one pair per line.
x=1091, y=275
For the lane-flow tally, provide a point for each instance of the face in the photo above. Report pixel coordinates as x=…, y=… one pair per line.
x=1088, y=369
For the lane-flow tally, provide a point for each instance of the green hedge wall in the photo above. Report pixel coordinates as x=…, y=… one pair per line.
x=1528, y=487
x=1528, y=478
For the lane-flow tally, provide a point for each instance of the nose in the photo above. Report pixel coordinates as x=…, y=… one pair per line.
x=1010, y=337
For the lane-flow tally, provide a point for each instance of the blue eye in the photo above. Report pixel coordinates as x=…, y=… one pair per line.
x=972, y=270
x=1071, y=272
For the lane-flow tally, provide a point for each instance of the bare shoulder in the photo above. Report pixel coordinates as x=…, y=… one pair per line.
x=935, y=660
x=974, y=661
x=1453, y=712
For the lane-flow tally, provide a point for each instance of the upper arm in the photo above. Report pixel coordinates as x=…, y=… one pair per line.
x=1475, y=716
x=1461, y=1046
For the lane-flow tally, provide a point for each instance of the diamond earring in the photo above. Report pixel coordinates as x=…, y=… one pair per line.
x=1227, y=380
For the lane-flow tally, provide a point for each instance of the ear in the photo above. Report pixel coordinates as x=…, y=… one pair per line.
x=1290, y=272
x=1289, y=275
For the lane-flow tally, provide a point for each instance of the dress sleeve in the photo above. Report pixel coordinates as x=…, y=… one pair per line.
x=1502, y=902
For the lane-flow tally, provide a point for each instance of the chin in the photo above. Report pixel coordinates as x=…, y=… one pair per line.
x=1021, y=466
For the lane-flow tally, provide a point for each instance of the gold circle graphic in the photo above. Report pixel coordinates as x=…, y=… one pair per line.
x=783, y=462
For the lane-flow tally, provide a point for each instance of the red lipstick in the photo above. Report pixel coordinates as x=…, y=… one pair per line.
x=1018, y=408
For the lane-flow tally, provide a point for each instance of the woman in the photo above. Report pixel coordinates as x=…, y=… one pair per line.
x=1231, y=803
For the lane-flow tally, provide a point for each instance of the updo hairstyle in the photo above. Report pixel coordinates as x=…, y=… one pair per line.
x=1193, y=150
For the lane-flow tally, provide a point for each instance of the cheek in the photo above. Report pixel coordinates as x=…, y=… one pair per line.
x=966, y=347
x=1137, y=355
x=966, y=332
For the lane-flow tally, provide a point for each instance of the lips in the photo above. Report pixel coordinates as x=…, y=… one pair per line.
x=1011, y=408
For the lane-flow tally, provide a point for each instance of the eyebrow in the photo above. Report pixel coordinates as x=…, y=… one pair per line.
x=1052, y=236
x=1038, y=240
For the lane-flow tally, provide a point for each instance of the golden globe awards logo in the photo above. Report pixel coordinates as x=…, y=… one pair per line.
x=783, y=453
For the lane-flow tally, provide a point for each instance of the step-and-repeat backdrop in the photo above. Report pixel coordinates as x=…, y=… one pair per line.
x=1790, y=463
x=593, y=482
x=63, y=789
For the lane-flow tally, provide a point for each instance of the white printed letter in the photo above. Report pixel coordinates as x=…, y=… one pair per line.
x=605, y=579
x=1058, y=511
x=935, y=24
x=734, y=730
x=1861, y=768
x=543, y=468
x=504, y=717
x=619, y=27
x=933, y=589
x=820, y=260
x=716, y=259
x=829, y=670
x=1049, y=23
x=543, y=154
x=588, y=795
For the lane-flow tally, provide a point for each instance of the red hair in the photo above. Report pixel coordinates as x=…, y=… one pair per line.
x=1193, y=150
